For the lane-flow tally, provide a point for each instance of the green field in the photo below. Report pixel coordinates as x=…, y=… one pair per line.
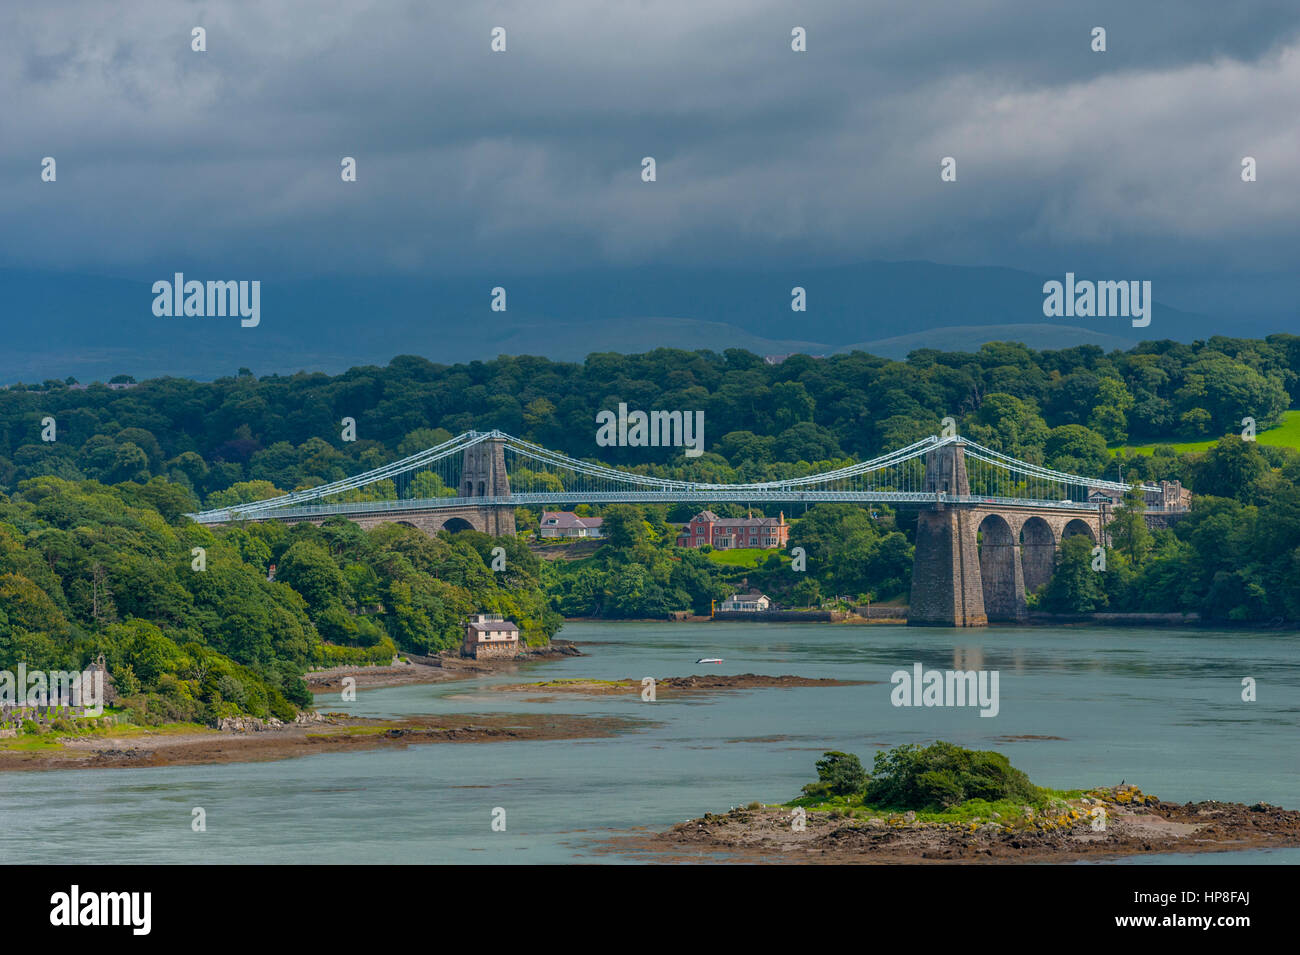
x=1286, y=434
x=746, y=557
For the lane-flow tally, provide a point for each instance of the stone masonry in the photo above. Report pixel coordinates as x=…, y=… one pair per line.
x=976, y=562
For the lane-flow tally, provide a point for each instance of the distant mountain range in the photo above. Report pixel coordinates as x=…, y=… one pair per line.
x=90, y=327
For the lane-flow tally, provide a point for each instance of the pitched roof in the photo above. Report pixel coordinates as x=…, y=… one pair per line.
x=739, y=521
x=569, y=519
x=494, y=625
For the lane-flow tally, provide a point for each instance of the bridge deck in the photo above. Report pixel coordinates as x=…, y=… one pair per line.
x=609, y=497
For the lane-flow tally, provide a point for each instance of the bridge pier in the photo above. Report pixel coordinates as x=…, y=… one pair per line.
x=947, y=588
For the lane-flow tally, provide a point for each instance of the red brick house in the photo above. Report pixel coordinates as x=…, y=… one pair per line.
x=725, y=533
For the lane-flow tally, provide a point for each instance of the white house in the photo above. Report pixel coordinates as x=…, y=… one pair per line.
x=747, y=602
x=568, y=524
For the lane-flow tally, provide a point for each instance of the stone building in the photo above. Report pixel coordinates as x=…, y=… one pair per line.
x=490, y=635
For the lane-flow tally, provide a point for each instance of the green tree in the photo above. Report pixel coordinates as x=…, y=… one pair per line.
x=838, y=774
x=1075, y=587
x=1128, y=527
x=309, y=569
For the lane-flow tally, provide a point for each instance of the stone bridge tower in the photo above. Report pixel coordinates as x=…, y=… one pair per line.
x=947, y=590
x=483, y=474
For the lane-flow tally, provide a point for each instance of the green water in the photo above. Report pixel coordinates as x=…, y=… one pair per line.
x=1159, y=709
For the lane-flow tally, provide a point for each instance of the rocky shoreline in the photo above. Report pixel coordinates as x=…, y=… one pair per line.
x=257, y=741
x=250, y=739
x=448, y=665
x=669, y=685
x=1134, y=824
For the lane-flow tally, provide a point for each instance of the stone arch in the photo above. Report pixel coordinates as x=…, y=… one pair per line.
x=457, y=524
x=1000, y=573
x=1037, y=553
x=1077, y=526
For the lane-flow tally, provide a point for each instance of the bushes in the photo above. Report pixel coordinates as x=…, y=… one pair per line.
x=936, y=778
x=332, y=655
x=943, y=775
x=838, y=774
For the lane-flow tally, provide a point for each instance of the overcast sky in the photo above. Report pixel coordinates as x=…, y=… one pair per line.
x=1126, y=163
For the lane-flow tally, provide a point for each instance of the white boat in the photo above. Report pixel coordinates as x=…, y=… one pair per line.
x=709, y=660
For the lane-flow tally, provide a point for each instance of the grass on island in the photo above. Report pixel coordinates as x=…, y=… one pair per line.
x=1286, y=435
x=350, y=731
x=941, y=783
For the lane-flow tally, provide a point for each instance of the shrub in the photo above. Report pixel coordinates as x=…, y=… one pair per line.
x=943, y=775
x=841, y=773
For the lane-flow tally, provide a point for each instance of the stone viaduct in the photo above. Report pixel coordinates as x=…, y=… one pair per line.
x=974, y=561
x=483, y=475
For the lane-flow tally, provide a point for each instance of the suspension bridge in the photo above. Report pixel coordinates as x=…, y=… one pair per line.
x=988, y=525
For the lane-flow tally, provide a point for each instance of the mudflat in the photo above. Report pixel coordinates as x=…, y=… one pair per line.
x=332, y=733
x=707, y=683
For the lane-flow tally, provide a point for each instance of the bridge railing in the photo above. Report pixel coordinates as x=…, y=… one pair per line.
x=629, y=497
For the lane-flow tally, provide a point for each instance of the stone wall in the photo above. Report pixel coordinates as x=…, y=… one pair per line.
x=495, y=519
x=499, y=650
x=947, y=590
x=976, y=563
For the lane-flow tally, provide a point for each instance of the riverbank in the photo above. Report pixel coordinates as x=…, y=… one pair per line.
x=448, y=665
x=1034, y=620
x=1134, y=824
x=191, y=745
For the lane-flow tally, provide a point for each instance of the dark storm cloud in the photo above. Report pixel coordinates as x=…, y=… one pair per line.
x=473, y=161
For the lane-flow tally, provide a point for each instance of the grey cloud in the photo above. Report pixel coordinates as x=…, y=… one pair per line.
x=471, y=161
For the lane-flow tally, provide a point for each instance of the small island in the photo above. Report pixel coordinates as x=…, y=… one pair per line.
x=944, y=803
x=671, y=685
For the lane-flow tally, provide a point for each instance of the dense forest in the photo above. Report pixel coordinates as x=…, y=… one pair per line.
x=194, y=635
x=1059, y=408
x=96, y=555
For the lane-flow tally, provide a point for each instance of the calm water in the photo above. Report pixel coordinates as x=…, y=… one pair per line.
x=1159, y=709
